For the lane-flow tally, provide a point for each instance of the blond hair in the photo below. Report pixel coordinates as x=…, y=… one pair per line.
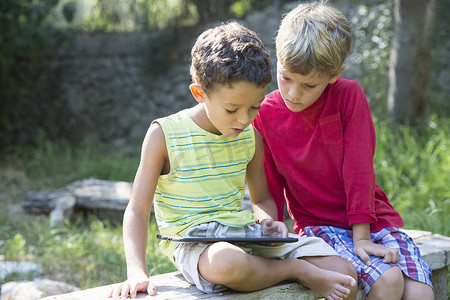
x=313, y=37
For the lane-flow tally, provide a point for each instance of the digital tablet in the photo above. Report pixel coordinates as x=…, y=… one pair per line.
x=262, y=240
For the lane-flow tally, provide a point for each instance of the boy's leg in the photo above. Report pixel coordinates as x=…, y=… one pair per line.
x=416, y=290
x=411, y=270
x=226, y=264
x=393, y=284
x=380, y=280
x=337, y=264
x=389, y=285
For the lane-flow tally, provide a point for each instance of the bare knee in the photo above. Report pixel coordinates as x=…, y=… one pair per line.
x=348, y=268
x=415, y=290
x=392, y=277
x=219, y=263
x=390, y=285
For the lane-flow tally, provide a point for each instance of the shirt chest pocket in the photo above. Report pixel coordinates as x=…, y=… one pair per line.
x=331, y=129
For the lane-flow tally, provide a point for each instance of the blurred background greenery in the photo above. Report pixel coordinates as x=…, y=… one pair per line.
x=412, y=159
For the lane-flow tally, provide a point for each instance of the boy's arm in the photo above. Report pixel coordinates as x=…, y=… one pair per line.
x=363, y=245
x=263, y=205
x=137, y=214
x=275, y=180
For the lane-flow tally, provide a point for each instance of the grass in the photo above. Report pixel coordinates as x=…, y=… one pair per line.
x=86, y=253
x=412, y=166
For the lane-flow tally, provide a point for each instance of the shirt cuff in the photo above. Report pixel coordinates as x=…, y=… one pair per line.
x=356, y=218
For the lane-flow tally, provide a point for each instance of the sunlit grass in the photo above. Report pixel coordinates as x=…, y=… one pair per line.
x=413, y=168
x=86, y=253
x=53, y=165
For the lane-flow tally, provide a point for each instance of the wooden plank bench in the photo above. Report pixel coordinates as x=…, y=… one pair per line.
x=435, y=250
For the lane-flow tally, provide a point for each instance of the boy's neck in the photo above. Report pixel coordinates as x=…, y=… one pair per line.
x=199, y=117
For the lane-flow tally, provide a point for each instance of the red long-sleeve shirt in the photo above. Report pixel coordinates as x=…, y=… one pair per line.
x=320, y=160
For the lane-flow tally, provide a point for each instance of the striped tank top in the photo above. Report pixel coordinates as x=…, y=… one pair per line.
x=206, y=181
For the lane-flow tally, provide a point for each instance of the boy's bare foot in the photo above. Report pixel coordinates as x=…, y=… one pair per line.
x=331, y=285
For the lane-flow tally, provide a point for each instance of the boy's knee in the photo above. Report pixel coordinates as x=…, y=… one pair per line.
x=220, y=263
x=389, y=285
x=349, y=269
x=392, y=276
x=415, y=290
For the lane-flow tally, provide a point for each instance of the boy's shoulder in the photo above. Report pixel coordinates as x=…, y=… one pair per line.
x=273, y=95
x=175, y=117
x=347, y=83
x=344, y=88
x=272, y=98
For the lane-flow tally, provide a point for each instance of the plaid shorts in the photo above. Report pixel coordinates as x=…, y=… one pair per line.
x=410, y=261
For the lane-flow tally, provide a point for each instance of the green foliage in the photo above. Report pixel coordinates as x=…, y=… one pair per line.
x=138, y=15
x=368, y=60
x=15, y=247
x=27, y=28
x=86, y=253
x=141, y=15
x=241, y=8
x=413, y=168
x=89, y=160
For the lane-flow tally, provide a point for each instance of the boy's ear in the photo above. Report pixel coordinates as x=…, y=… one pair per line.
x=197, y=92
x=336, y=75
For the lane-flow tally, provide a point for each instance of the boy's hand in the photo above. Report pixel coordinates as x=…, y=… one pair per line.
x=132, y=286
x=273, y=229
x=364, y=248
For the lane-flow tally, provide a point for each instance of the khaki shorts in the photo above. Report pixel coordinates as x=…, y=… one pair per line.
x=187, y=255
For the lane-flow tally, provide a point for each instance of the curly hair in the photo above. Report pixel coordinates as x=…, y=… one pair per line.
x=229, y=53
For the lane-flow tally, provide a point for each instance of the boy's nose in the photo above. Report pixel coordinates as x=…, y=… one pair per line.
x=295, y=93
x=244, y=118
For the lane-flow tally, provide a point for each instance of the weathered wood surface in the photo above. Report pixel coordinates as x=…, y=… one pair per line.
x=173, y=286
x=435, y=250
x=89, y=194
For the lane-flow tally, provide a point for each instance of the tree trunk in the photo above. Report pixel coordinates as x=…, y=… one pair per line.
x=410, y=56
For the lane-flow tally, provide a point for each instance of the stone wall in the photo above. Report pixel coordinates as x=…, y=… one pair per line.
x=111, y=86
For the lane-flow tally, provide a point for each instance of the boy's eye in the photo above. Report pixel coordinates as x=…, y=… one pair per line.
x=256, y=108
x=309, y=86
x=231, y=111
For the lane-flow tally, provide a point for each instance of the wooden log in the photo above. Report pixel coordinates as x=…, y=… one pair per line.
x=42, y=202
x=101, y=194
x=110, y=197
x=105, y=197
x=64, y=208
